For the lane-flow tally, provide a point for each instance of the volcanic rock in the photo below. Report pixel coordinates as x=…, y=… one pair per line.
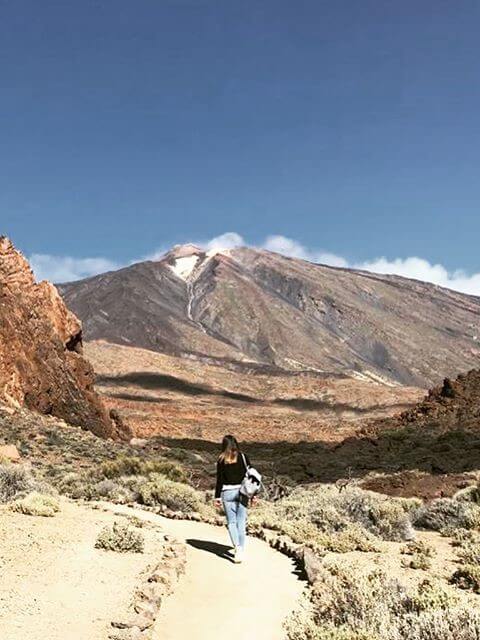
x=41, y=362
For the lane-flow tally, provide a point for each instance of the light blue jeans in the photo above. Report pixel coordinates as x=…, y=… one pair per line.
x=236, y=517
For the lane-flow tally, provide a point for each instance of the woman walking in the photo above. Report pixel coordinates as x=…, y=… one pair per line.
x=232, y=466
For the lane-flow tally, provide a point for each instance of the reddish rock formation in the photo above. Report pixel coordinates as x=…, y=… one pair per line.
x=41, y=362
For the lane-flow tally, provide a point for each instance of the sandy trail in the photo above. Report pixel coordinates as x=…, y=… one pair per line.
x=217, y=599
x=55, y=585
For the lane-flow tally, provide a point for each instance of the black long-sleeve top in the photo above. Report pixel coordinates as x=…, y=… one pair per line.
x=232, y=473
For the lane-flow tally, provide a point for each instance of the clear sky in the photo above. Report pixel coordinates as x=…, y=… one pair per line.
x=350, y=127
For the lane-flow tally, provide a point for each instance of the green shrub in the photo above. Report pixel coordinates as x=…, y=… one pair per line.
x=130, y=466
x=431, y=594
x=121, y=538
x=37, y=504
x=15, y=481
x=159, y=490
x=467, y=577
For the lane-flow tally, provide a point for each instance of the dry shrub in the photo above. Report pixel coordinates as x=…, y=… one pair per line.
x=467, y=577
x=469, y=494
x=431, y=594
x=420, y=555
x=37, y=504
x=15, y=481
x=469, y=553
x=446, y=513
x=417, y=561
x=130, y=466
x=158, y=490
x=350, y=603
x=462, y=623
x=120, y=538
x=418, y=547
x=323, y=517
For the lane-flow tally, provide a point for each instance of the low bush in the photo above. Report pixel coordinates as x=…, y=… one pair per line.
x=462, y=623
x=469, y=553
x=15, y=481
x=467, y=577
x=464, y=536
x=417, y=561
x=159, y=490
x=350, y=604
x=324, y=517
x=37, y=504
x=385, y=517
x=431, y=594
x=446, y=513
x=117, y=492
x=469, y=494
x=120, y=538
x=418, y=547
x=130, y=466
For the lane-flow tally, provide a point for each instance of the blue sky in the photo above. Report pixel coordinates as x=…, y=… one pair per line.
x=347, y=128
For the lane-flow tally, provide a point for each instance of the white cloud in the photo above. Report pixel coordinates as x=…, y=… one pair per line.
x=228, y=240
x=294, y=249
x=63, y=269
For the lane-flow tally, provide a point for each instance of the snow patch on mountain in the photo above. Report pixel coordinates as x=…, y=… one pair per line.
x=183, y=267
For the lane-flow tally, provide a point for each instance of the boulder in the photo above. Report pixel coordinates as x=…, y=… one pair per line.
x=10, y=452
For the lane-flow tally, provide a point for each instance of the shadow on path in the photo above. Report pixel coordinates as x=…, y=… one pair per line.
x=220, y=550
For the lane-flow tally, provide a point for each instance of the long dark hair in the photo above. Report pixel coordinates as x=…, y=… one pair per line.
x=230, y=450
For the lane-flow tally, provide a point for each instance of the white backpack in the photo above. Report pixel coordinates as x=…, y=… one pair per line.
x=252, y=482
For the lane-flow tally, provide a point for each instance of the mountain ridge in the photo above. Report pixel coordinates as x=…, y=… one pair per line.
x=254, y=306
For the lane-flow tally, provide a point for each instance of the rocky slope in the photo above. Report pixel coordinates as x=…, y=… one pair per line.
x=41, y=362
x=451, y=406
x=254, y=307
x=158, y=394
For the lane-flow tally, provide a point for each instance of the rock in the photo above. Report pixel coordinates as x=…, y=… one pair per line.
x=313, y=564
x=41, y=362
x=133, y=633
x=10, y=452
x=138, y=442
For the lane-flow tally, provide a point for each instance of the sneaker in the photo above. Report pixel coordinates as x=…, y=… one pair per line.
x=238, y=555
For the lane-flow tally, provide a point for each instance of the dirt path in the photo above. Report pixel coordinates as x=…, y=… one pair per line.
x=217, y=599
x=54, y=584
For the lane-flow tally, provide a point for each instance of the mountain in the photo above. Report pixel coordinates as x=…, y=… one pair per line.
x=253, y=308
x=41, y=362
